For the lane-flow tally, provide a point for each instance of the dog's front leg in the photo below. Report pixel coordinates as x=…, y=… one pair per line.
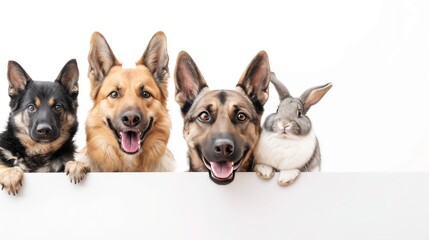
x=11, y=179
x=76, y=170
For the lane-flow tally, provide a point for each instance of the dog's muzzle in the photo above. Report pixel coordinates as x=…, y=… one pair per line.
x=131, y=137
x=222, y=157
x=44, y=133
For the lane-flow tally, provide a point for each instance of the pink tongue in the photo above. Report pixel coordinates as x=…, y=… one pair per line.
x=222, y=169
x=130, y=141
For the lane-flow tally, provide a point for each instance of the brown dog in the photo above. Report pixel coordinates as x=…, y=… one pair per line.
x=128, y=126
x=221, y=127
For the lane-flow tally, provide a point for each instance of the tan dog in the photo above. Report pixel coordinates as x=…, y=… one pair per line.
x=128, y=126
x=222, y=127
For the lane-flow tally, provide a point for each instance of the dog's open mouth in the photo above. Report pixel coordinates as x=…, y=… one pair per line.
x=131, y=140
x=222, y=172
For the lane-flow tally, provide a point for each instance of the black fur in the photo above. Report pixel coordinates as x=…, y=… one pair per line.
x=53, y=104
x=222, y=97
x=259, y=107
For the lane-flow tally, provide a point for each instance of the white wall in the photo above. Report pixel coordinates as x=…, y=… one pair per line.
x=353, y=206
x=376, y=53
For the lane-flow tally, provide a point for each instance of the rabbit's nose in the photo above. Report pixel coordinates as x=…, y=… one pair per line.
x=286, y=128
x=284, y=125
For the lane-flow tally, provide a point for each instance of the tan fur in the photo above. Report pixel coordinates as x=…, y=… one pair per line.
x=11, y=179
x=103, y=150
x=76, y=170
x=37, y=102
x=51, y=102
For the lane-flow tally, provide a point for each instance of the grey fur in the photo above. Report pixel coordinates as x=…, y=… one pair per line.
x=290, y=130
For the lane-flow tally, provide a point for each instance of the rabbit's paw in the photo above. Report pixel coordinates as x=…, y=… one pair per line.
x=288, y=177
x=11, y=179
x=264, y=171
x=76, y=170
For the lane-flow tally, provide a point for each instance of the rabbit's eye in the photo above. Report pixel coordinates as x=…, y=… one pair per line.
x=204, y=117
x=299, y=114
x=241, y=117
x=277, y=111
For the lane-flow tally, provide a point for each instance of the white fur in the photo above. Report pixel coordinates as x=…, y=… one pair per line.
x=264, y=171
x=288, y=177
x=16, y=161
x=8, y=155
x=284, y=152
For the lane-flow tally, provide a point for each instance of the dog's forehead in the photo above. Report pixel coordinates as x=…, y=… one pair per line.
x=226, y=98
x=131, y=77
x=45, y=89
x=139, y=72
x=44, y=93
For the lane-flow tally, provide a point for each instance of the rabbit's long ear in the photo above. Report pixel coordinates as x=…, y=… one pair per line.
x=280, y=87
x=313, y=95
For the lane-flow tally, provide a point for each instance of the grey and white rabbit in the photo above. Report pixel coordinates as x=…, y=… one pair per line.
x=288, y=143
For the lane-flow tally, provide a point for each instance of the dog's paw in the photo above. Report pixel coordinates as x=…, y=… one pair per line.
x=76, y=170
x=264, y=171
x=288, y=177
x=11, y=179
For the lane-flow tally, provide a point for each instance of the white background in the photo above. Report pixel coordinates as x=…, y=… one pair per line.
x=376, y=54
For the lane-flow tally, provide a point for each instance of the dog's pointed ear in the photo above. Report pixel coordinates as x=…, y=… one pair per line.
x=18, y=78
x=101, y=59
x=155, y=57
x=68, y=78
x=188, y=80
x=255, y=81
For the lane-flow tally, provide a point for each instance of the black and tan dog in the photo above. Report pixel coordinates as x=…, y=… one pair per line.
x=128, y=127
x=221, y=127
x=41, y=126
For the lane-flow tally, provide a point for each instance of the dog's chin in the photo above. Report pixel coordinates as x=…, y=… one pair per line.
x=223, y=172
x=222, y=181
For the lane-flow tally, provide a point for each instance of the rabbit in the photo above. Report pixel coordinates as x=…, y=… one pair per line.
x=288, y=143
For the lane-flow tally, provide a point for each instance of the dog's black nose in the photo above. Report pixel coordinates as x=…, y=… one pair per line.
x=44, y=130
x=131, y=118
x=223, y=147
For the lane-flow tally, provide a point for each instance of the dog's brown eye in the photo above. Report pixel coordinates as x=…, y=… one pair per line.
x=114, y=94
x=31, y=108
x=241, y=117
x=58, y=108
x=146, y=94
x=204, y=117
